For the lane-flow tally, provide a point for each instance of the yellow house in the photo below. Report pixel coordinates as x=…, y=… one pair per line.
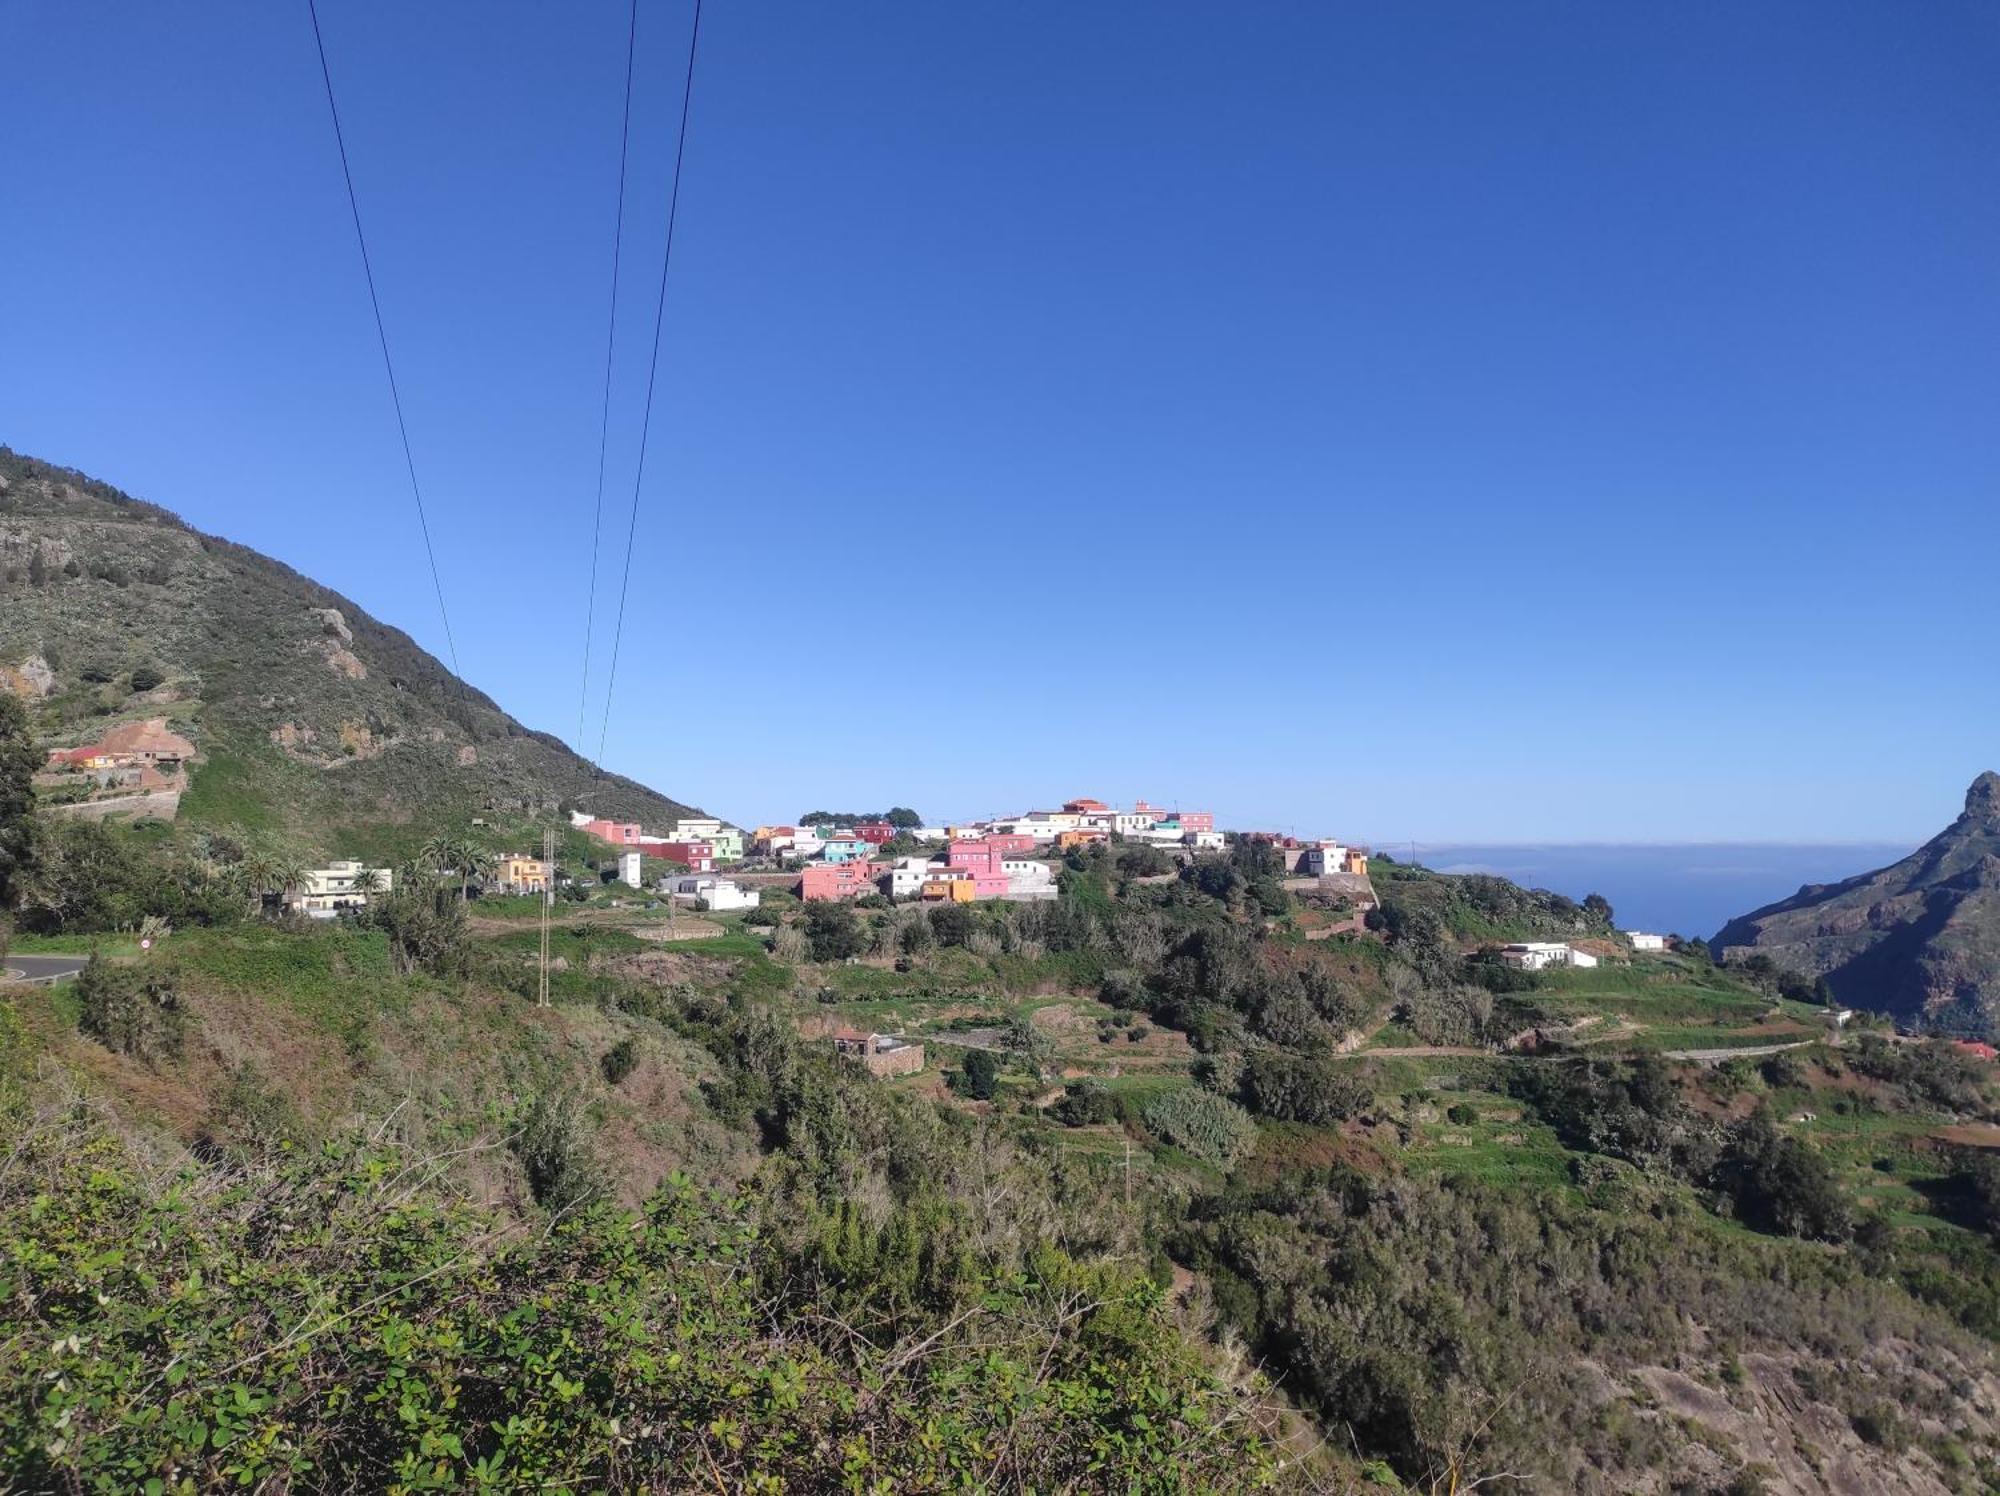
x=520, y=874
x=949, y=890
x=1357, y=862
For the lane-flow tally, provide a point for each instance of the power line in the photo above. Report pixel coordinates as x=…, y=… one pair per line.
x=652, y=377
x=610, y=343
x=395, y=395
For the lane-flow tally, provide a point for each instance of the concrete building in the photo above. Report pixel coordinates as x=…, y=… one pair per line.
x=517, y=873
x=875, y=832
x=707, y=891
x=1537, y=955
x=695, y=856
x=1028, y=879
x=725, y=839
x=1641, y=941
x=878, y=1054
x=844, y=846
x=985, y=860
x=1326, y=858
x=1203, y=841
x=628, y=869
x=949, y=885
x=907, y=876
x=837, y=880
x=328, y=890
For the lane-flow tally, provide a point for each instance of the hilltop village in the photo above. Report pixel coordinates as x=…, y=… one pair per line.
x=897, y=857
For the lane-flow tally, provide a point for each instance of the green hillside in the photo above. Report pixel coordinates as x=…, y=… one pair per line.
x=315, y=721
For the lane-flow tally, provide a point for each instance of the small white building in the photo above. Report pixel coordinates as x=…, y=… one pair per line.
x=1535, y=955
x=628, y=869
x=326, y=891
x=1641, y=941
x=1324, y=860
x=1028, y=879
x=717, y=895
x=907, y=876
x=1203, y=841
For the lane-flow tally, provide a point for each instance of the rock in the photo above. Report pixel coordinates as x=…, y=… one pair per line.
x=332, y=622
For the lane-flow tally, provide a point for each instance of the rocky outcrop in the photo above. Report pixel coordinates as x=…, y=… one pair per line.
x=1919, y=939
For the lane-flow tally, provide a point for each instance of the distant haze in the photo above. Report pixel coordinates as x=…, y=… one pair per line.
x=1689, y=888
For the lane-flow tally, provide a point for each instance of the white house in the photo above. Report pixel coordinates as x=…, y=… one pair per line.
x=1641, y=941
x=1535, y=955
x=1028, y=879
x=1323, y=860
x=327, y=890
x=579, y=818
x=907, y=876
x=1204, y=841
x=717, y=895
x=1127, y=822
x=628, y=869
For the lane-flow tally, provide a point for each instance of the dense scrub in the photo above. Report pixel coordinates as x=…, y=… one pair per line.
x=335, y=1321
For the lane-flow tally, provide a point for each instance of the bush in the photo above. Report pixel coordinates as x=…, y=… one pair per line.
x=552, y=1145
x=833, y=932
x=620, y=1060
x=1303, y=1088
x=131, y=1010
x=145, y=678
x=1200, y=1123
x=979, y=1077
x=201, y=1331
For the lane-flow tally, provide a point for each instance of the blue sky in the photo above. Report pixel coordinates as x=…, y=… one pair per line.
x=1475, y=422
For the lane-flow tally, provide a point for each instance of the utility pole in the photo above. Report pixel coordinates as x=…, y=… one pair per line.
x=1128, y=1172
x=548, y=901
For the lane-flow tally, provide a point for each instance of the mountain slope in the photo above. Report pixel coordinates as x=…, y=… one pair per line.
x=308, y=713
x=1919, y=939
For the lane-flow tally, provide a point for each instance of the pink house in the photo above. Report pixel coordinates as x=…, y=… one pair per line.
x=1197, y=820
x=984, y=859
x=838, y=880
x=618, y=833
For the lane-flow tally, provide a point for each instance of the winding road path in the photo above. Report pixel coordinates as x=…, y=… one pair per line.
x=43, y=969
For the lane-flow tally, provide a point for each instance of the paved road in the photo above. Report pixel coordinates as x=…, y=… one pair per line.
x=39, y=968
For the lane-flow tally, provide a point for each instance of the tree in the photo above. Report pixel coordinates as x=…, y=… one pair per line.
x=145, y=678
x=903, y=818
x=1598, y=907
x=18, y=762
x=980, y=1077
x=833, y=933
x=367, y=881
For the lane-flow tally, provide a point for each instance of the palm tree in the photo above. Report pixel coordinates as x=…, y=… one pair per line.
x=367, y=881
x=260, y=872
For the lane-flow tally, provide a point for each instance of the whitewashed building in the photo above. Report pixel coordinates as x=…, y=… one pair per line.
x=1536, y=955
x=326, y=891
x=719, y=895
x=1641, y=941
x=907, y=876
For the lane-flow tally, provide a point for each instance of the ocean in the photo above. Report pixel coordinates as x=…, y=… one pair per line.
x=1684, y=889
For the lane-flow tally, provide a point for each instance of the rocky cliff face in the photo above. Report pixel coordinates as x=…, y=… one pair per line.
x=1919, y=939
x=305, y=710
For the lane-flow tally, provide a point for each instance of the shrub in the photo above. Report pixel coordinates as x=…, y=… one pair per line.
x=1209, y=1127
x=1303, y=1088
x=620, y=1060
x=979, y=1077
x=131, y=1010
x=552, y=1145
x=145, y=678
x=833, y=931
